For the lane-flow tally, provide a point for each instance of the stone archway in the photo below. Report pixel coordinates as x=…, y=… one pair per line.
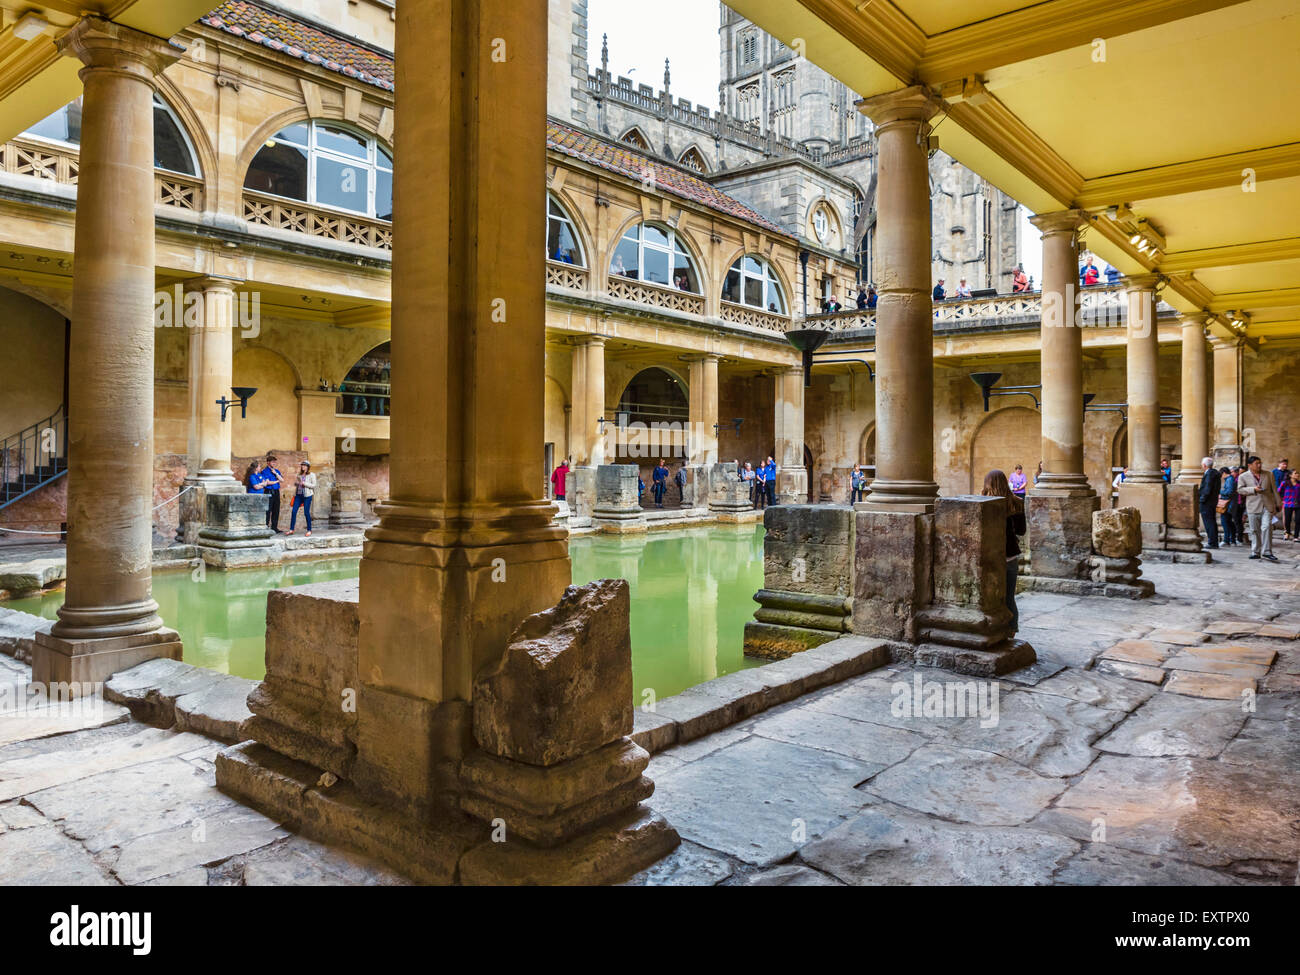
x=1007, y=437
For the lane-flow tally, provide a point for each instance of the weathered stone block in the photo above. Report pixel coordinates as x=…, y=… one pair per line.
x=564, y=684
x=1148, y=497
x=1117, y=532
x=618, y=505
x=808, y=548
x=727, y=492
x=1060, y=535
x=892, y=572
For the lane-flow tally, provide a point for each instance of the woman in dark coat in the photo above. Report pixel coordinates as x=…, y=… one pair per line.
x=996, y=486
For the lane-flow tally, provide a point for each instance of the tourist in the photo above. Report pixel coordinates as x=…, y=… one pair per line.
x=872, y=297
x=659, y=483
x=857, y=484
x=254, y=478
x=1241, y=505
x=1038, y=473
x=558, y=479
x=1290, y=498
x=1088, y=274
x=304, y=487
x=640, y=487
x=1112, y=275
x=996, y=485
x=1228, y=506
x=938, y=294
x=272, y=481
x=963, y=290
x=1019, y=280
x=1017, y=482
x=1208, y=500
x=834, y=305
x=1119, y=478
x=680, y=479
x=1165, y=472
x=747, y=475
x=760, y=486
x=862, y=299
x=1280, y=473
x=769, y=480
x=1262, y=506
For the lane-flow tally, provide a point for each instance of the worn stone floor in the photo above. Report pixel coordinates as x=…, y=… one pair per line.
x=1155, y=742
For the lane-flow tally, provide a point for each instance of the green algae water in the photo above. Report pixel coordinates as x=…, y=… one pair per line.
x=692, y=592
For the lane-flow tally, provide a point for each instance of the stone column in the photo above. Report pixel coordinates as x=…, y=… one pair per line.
x=1144, y=487
x=465, y=548
x=1182, y=512
x=702, y=436
x=792, y=476
x=904, y=316
x=1228, y=402
x=1059, y=507
x=210, y=375
x=109, y=620
x=586, y=442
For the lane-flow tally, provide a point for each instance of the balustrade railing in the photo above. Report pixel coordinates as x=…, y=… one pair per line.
x=62, y=165
x=564, y=275
x=302, y=218
x=645, y=293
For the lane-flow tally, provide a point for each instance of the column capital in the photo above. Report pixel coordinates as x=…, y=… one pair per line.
x=915, y=104
x=103, y=45
x=1198, y=318
x=701, y=356
x=1060, y=221
x=212, y=282
x=1140, y=282
x=590, y=339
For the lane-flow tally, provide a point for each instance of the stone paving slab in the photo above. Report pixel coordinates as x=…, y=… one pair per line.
x=1142, y=673
x=18, y=722
x=1221, y=665
x=689, y=865
x=875, y=746
x=44, y=857
x=1142, y=652
x=1100, y=864
x=1219, y=687
x=1096, y=688
x=1169, y=724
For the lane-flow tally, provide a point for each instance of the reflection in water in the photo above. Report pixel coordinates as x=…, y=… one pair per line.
x=692, y=593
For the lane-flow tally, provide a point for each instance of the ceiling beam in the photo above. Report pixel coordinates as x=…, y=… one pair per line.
x=1274, y=162
x=878, y=29
x=1248, y=301
x=1258, y=252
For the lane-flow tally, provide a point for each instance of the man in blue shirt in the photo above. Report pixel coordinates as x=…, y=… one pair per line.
x=769, y=480
x=1280, y=473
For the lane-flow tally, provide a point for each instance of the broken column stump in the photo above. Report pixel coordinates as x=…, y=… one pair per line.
x=1117, y=546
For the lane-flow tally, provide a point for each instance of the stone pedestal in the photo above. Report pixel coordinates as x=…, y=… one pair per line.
x=347, y=507
x=792, y=485
x=618, y=505
x=892, y=573
x=235, y=531
x=1117, y=543
x=1182, y=536
x=967, y=626
x=194, y=505
x=1060, y=535
x=696, y=492
x=83, y=663
x=807, y=580
x=1148, y=497
x=580, y=493
x=728, y=494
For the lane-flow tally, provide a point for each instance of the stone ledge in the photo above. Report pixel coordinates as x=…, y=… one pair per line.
x=18, y=633
x=168, y=693
x=1141, y=589
x=726, y=700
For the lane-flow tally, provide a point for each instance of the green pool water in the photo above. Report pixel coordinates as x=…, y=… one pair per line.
x=692, y=591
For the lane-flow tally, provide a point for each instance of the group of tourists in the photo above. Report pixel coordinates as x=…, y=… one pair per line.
x=264, y=477
x=761, y=481
x=660, y=478
x=1250, y=498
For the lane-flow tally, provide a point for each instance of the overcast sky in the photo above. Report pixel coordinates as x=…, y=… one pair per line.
x=641, y=35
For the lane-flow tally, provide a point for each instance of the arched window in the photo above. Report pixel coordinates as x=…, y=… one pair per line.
x=692, y=159
x=325, y=164
x=562, y=242
x=751, y=281
x=651, y=253
x=633, y=137
x=172, y=150
x=364, y=391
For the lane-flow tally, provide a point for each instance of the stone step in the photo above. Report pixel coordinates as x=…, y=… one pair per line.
x=173, y=694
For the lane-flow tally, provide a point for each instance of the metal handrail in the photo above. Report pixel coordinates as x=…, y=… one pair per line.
x=33, y=457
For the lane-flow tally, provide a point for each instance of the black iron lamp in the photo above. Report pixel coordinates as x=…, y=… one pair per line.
x=985, y=381
x=242, y=395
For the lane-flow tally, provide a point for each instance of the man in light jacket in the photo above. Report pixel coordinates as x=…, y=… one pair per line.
x=1262, y=503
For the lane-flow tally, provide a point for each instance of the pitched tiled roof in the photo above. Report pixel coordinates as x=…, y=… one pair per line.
x=282, y=33
x=623, y=159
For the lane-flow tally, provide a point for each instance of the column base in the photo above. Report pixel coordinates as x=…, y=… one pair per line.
x=1181, y=516
x=235, y=532
x=993, y=661
x=1137, y=589
x=194, y=504
x=59, y=660
x=892, y=558
x=1060, y=534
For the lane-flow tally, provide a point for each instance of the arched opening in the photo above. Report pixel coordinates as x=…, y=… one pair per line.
x=562, y=241
x=867, y=450
x=326, y=164
x=693, y=159
x=1006, y=438
x=753, y=281
x=652, y=417
x=365, y=389
x=649, y=252
x=33, y=423
x=172, y=149
x=636, y=138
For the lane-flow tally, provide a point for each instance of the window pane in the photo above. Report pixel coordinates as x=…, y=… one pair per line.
x=560, y=243
x=63, y=126
x=653, y=235
x=169, y=148
x=775, y=300
x=754, y=292
x=684, y=273
x=731, y=289
x=280, y=169
x=337, y=140
x=384, y=195
x=385, y=160
x=342, y=185
x=656, y=266
x=753, y=266
x=625, y=259
x=296, y=134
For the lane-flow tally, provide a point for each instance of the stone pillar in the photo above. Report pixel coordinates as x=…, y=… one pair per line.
x=109, y=620
x=586, y=442
x=1059, y=507
x=464, y=548
x=904, y=316
x=1195, y=400
x=210, y=375
x=792, y=476
x=1144, y=487
x=618, y=507
x=1229, y=437
x=703, y=437
x=317, y=435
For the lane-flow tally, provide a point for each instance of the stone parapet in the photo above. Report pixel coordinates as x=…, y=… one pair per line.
x=618, y=504
x=235, y=532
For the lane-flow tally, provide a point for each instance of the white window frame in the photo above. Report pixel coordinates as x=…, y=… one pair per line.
x=371, y=164
x=564, y=218
x=767, y=278
x=673, y=248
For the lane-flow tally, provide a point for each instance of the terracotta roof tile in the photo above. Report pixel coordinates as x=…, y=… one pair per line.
x=282, y=33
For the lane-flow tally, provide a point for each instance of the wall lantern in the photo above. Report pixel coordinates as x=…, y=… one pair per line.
x=243, y=394
x=985, y=381
x=809, y=340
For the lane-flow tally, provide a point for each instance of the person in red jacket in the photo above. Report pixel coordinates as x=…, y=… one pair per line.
x=557, y=480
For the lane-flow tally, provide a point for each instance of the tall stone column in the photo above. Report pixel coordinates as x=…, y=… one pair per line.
x=1144, y=486
x=465, y=548
x=1229, y=437
x=703, y=437
x=109, y=620
x=1195, y=399
x=904, y=315
x=1059, y=507
x=211, y=349
x=792, y=476
x=587, y=444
